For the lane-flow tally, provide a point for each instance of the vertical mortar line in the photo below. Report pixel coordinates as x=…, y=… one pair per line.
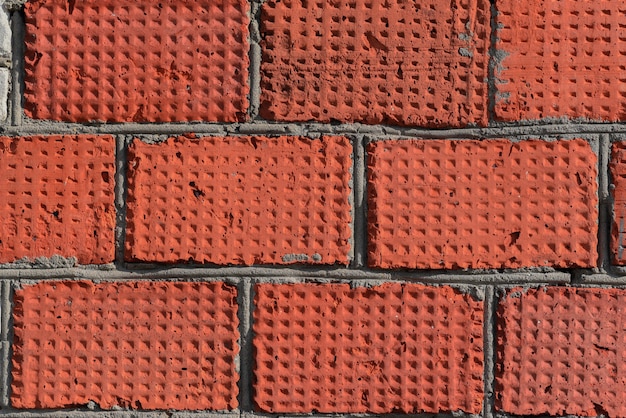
x=359, y=215
x=5, y=341
x=489, y=351
x=121, y=161
x=245, y=295
x=17, y=66
x=604, y=202
x=254, y=55
x=492, y=64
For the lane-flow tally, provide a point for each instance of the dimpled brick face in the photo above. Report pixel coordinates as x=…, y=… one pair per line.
x=244, y=200
x=402, y=62
x=561, y=352
x=618, y=176
x=561, y=58
x=142, y=61
x=137, y=345
x=482, y=204
x=391, y=348
x=56, y=198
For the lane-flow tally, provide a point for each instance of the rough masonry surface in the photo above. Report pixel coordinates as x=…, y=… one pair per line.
x=57, y=197
x=481, y=204
x=396, y=347
x=122, y=61
x=143, y=345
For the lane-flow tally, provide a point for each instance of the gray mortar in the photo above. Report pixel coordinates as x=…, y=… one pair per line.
x=17, y=65
x=359, y=204
x=246, y=355
x=6, y=336
x=489, y=340
x=121, y=161
x=191, y=272
x=255, y=59
x=523, y=129
x=605, y=204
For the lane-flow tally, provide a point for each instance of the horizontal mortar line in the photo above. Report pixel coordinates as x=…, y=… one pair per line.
x=259, y=273
x=86, y=413
x=270, y=128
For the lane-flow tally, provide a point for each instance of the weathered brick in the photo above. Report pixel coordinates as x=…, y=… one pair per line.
x=139, y=345
x=240, y=200
x=142, y=61
x=404, y=63
x=57, y=197
x=437, y=204
x=391, y=348
x=560, y=352
x=561, y=59
x=618, y=177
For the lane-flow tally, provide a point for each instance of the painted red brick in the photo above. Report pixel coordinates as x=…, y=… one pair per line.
x=139, y=345
x=240, y=200
x=57, y=197
x=436, y=204
x=618, y=175
x=391, y=348
x=398, y=62
x=137, y=60
x=561, y=58
x=561, y=352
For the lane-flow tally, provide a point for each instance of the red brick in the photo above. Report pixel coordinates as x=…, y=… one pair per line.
x=437, y=204
x=142, y=61
x=392, y=348
x=139, y=345
x=403, y=63
x=560, y=352
x=562, y=59
x=618, y=174
x=240, y=200
x=57, y=197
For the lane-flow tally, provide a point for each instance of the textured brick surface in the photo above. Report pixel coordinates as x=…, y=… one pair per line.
x=561, y=352
x=482, y=204
x=563, y=58
x=56, y=197
x=618, y=178
x=127, y=60
x=406, y=63
x=138, y=345
x=390, y=348
x=244, y=200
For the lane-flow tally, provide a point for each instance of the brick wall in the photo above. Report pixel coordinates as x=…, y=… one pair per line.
x=270, y=208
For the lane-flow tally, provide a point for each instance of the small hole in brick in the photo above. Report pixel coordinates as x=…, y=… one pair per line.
x=105, y=176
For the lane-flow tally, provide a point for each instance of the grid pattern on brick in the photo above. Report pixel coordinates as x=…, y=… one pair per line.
x=561, y=352
x=482, y=204
x=561, y=58
x=57, y=197
x=139, y=345
x=332, y=349
x=240, y=200
x=142, y=61
x=394, y=62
